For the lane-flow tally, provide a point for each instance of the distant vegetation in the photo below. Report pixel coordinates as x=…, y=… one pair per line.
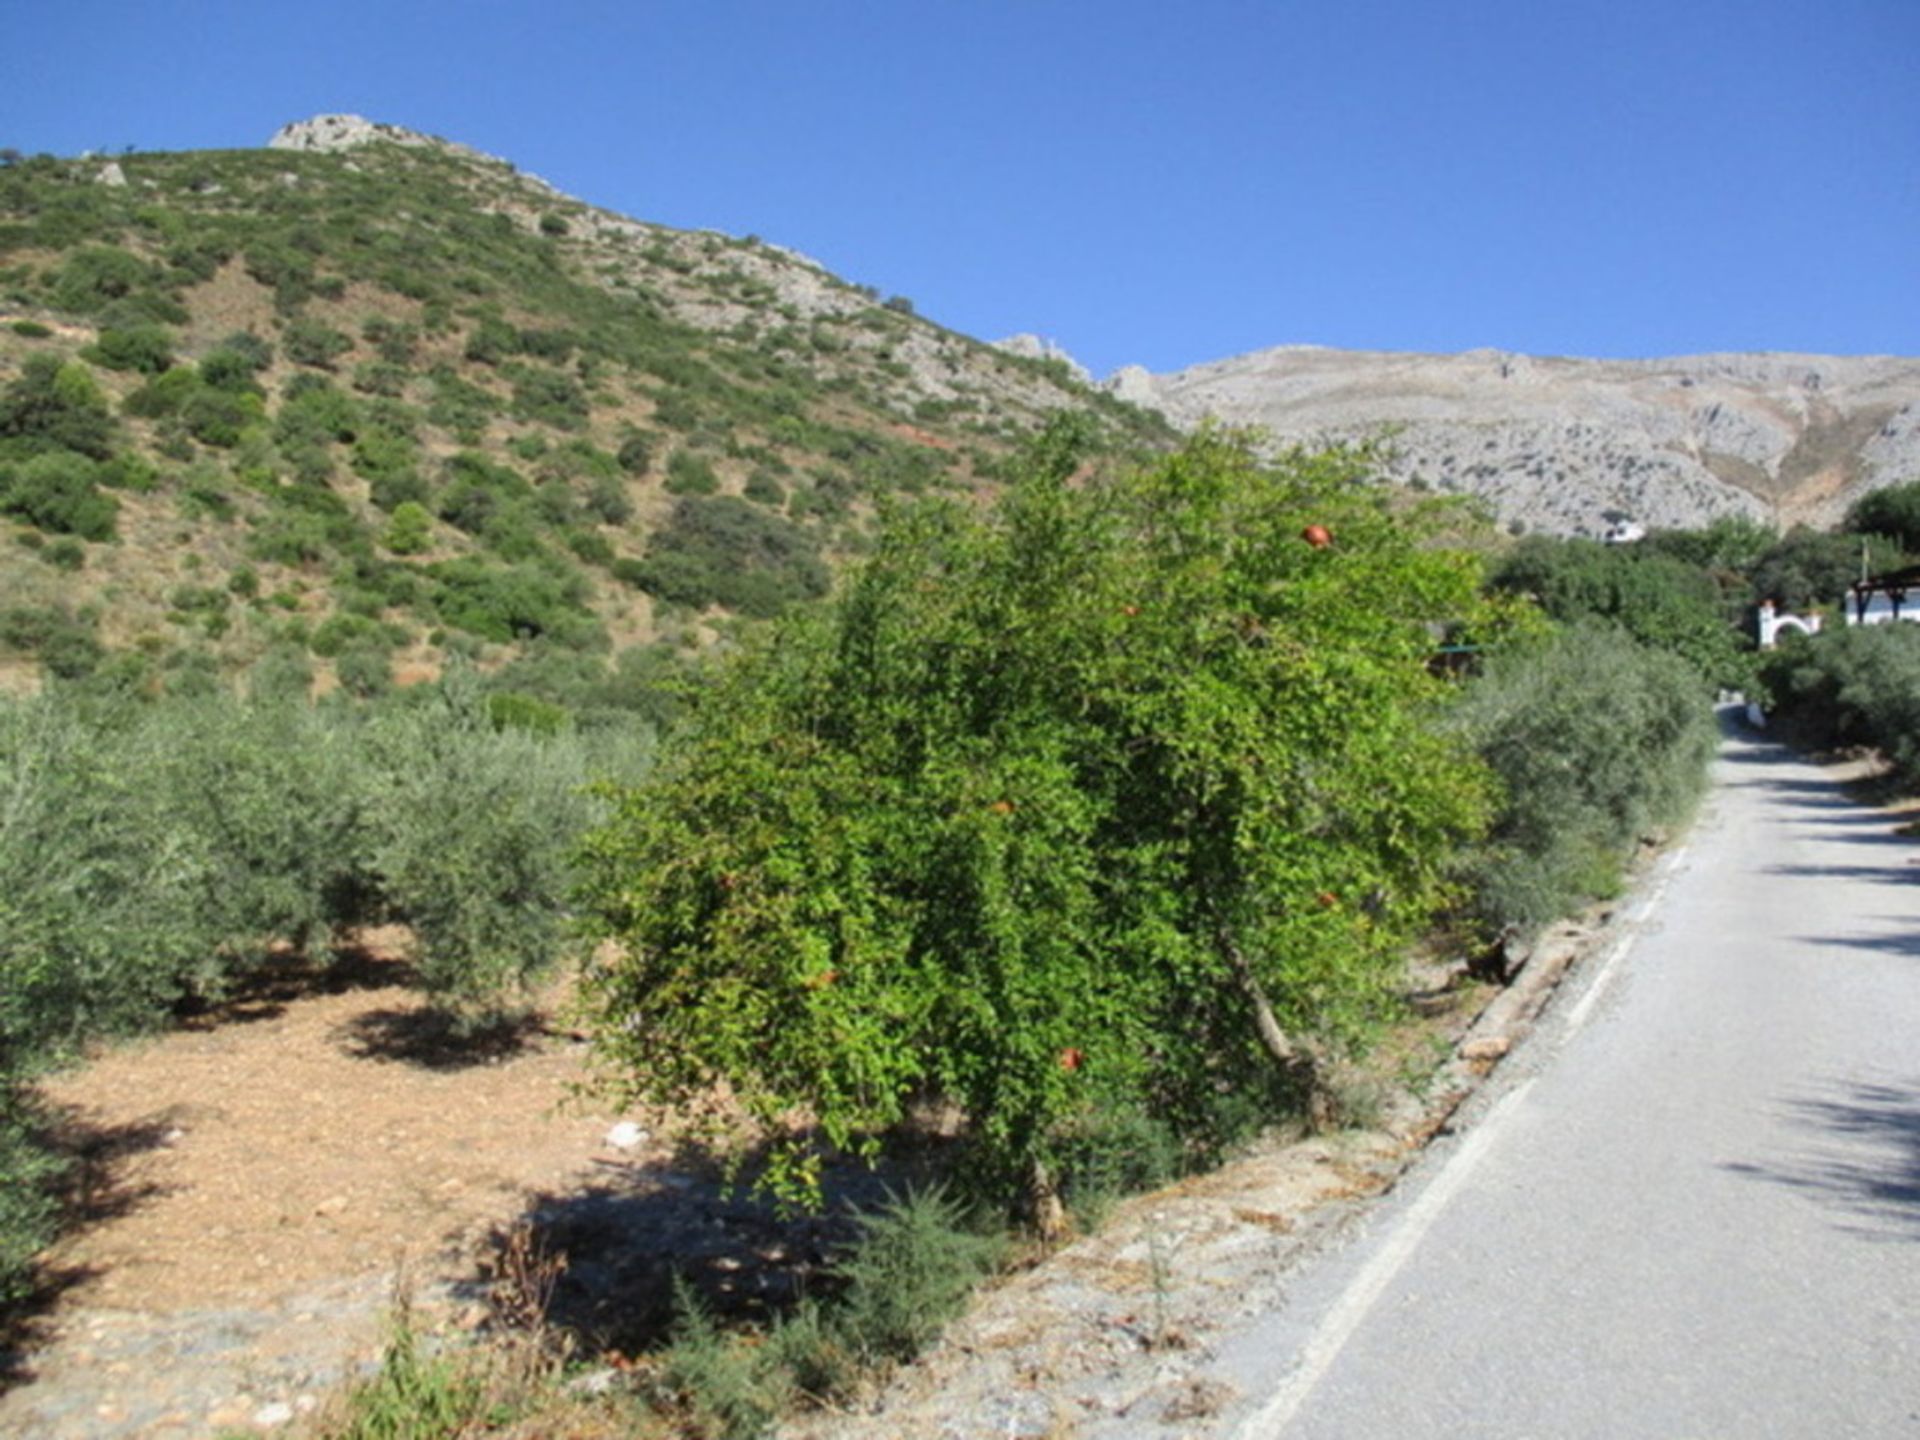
x=395, y=408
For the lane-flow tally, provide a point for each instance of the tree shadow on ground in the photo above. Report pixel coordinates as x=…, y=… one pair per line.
x=265, y=991
x=435, y=1040
x=27, y=1328
x=1907, y=944
x=92, y=1186
x=1863, y=1159
x=613, y=1254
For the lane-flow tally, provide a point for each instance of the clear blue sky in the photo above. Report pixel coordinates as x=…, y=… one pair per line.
x=1145, y=182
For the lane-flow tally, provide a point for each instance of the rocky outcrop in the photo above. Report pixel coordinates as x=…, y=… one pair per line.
x=1036, y=347
x=1568, y=445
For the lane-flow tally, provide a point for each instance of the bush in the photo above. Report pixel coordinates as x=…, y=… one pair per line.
x=96, y=276
x=1852, y=685
x=1597, y=741
x=690, y=474
x=100, y=931
x=1660, y=600
x=635, y=455
x=1111, y=799
x=411, y=529
x=907, y=1275
x=1893, y=512
x=476, y=835
x=145, y=348
x=58, y=493
x=1810, y=568
x=308, y=342
x=503, y=603
x=56, y=406
x=273, y=807
x=722, y=550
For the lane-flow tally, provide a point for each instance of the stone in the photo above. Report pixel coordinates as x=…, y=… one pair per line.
x=272, y=1415
x=627, y=1136
x=111, y=175
x=1487, y=1047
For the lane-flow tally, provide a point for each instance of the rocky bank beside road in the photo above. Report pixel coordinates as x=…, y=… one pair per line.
x=1117, y=1334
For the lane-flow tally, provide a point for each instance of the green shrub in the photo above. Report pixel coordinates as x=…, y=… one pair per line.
x=96, y=276
x=1850, y=686
x=59, y=493
x=309, y=342
x=548, y=397
x=1597, y=741
x=1811, y=568
x=503, y=603
x=911, y=1270
x=763, y=489
x=272, y=804
x=1893, y=512
x=608, y=501
x=477, y=829
x=690, y=474
x=635, y=454
x=1661, y=600
x=145, y=348
x=31, y=330
x=65, y=555
x=99, y=926
x=51, y=405
x=1037, y=816
x=722, y=550
x=411, y=529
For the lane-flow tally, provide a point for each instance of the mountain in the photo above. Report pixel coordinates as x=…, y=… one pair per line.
x=1567, y=445
x=343, y=407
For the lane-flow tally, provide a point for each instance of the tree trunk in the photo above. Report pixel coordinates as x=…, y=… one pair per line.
x=1043, y=1201
x=1296, y=1059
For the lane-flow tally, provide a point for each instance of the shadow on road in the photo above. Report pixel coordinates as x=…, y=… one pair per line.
x=1863, y=1156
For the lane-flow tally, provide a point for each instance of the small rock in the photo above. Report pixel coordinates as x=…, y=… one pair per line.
x=627, y=1136
x=332, y=1205
x=112, y=175
x=595, y=1382
x=173, y=1137
x=1487, y=1047
x=270, y=1416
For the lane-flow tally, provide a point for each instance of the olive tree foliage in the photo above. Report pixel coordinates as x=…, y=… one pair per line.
x=1123, y=795
x=1598, y=741
x=473, y=840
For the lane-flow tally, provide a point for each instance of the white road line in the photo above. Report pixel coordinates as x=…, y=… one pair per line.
x=1367, y=1287
x=1603, y=977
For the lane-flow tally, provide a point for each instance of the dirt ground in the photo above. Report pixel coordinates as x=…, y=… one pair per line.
x=251, y=1184
x=257, y=1181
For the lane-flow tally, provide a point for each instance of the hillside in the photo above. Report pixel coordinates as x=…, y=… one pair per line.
x=1565, y=445
x=331, y=411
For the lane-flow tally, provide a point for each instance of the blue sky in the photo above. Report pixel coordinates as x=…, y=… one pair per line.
x=1144, y=182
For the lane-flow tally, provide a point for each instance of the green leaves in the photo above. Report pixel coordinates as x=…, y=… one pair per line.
x=991, y=825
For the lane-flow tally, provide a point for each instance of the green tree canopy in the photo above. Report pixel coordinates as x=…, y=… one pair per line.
x=1112, y=797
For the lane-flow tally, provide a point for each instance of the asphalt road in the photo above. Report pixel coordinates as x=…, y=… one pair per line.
x=1690, y=1205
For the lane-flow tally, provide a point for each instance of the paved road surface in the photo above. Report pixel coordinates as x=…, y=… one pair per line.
x=1691, y=1207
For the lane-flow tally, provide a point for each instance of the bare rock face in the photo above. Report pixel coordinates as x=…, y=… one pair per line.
x=339, y=132
x=1035, y=347
x=1570, y=446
